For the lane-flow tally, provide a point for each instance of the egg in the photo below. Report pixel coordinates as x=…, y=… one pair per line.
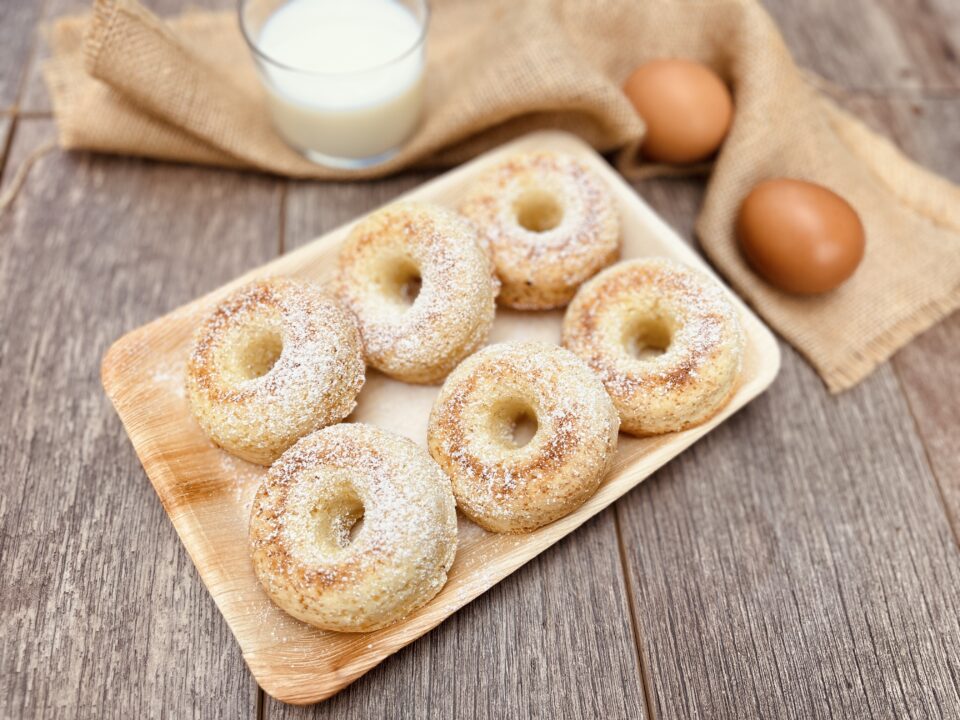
x=801, y=237
x=687, y=109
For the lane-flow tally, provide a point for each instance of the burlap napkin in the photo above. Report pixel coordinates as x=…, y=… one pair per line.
x=126, y=82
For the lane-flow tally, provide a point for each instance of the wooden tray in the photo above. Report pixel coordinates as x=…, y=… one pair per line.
x=207, y=493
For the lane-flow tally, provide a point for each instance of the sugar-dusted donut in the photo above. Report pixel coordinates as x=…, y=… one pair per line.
x=353, y=528
x=275, y=360
x=665, y=340
x=420, y=285
x=500, y=483
x=550, y=224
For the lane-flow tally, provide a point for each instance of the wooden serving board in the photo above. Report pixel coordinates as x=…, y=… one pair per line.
x=208, y=493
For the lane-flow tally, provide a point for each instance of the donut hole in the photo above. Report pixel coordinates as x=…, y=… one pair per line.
x=355, y=528
x=410, y=290
x=400, y=281
x=647, y=338
x=538, y=211
x=338, y=518
x=513, y=424
x=253, y=352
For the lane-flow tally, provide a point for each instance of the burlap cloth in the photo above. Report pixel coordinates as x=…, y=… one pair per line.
x=185, y=90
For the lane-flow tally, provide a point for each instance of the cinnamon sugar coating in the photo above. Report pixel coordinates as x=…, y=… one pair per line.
x=417, y=334
x=549, y=223
x=274, y=361
x=665, y=340
x=353, y=528
x=500, y=484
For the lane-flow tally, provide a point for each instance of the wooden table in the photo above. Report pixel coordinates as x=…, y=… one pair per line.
x=801, y=561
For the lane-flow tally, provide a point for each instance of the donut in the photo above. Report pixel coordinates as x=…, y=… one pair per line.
x=665, y=340
x=274, y=361
x=353, y=528
x=549, y=223
x=417, y=334
x=499, y=482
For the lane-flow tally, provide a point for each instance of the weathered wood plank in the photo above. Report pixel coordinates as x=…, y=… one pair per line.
x=829, y=38
x=930, y=33
x=927, y=369
x=812, y=571
x=18, y=20
x=553, y=639
x=926, y=128
x=797, y=561
x=101, y=610
x=35, y=99
x=947, y=14
x=923, y=126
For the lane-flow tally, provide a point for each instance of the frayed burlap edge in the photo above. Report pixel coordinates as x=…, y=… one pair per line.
x=858, y=365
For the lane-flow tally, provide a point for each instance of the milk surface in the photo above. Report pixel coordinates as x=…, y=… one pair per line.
x=345, y=82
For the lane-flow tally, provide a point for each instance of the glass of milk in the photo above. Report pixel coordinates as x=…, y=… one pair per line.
x=344, y=78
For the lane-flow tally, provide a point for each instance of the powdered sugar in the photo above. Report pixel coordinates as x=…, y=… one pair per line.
x=696, y=371
x=509, y=488
x=244, y=478
x=394, y=563
x=454, y=310
x=171, y=378
x=313, y=382
x=542, y=269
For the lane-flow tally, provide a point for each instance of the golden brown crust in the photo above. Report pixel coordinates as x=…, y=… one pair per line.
x=304, y=554
x=549, y=223
x=273, y=362
x=670, y=388
x=506, y=488
x=418, y=342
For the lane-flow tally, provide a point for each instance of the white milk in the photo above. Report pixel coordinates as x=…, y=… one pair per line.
x=354, y=93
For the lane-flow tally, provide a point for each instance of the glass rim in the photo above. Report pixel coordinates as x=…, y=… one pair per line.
x=251, y=43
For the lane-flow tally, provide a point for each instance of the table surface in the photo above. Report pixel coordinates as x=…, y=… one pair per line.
x=800, y=561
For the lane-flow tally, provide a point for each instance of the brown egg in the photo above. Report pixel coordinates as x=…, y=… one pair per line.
x=801, y=237
x=686, y=106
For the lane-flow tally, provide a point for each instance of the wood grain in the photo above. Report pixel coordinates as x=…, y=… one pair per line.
x=78, y=602
x=677, y=200
x=35, y=98
x=858, y=44
x=930, y=34
x=928, y=373
x=927, y=367
x=946, y=16
x=807, y=572
x=102, y=611
x=18, y=20
x=208, y=499
x=553, y=639
x=806, y=594
x=919, y=123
